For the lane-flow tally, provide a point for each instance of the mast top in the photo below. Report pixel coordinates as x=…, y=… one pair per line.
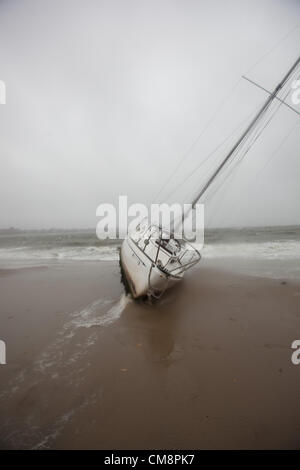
x=260, y=113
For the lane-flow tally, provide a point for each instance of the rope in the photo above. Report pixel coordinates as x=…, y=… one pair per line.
x=273, y=153
x=274, y=47
x=190, y=149
x=211, y=154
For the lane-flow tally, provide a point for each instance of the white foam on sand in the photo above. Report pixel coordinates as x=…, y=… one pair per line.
x=99, y=313
x=91, y=314
x=68, y=348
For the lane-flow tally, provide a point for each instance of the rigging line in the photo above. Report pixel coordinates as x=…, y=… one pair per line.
x=211, y=153
x=274, y=47
x=205, y=128
x=267, y=91
x=254, y=135
x=233, y=157
x=274, y=155
x=190, y=149
x=237, y=159
x=261, y=114
x=230, y=173
x=189, y=194
x=226, y=174
x=270, y=119
x=200, y=164
x=245, y=138
x=209, y=171
x=259, y=131
x=278, y=148
x=257, y=136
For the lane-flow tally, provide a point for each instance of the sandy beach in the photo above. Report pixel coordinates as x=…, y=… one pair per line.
x=161, y=139
x=207, y=367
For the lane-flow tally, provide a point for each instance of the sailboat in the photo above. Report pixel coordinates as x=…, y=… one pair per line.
x=153, y=259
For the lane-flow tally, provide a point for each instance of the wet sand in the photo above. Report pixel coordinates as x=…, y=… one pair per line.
x=208, y=367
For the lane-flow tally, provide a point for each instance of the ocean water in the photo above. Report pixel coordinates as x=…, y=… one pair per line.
x=265, y=243
x=55, y=245
x=272, y=251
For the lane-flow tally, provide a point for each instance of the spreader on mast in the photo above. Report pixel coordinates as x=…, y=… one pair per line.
x=260, y=113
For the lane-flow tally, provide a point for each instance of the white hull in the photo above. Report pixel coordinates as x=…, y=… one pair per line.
x=153, y=260
x=142, y=275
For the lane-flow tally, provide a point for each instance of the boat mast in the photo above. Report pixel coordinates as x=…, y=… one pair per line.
x=249, y=128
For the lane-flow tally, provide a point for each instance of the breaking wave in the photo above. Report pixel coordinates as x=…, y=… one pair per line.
x=54, y=246
x=90, y=253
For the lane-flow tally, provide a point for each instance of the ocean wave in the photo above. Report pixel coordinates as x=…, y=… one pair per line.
x=273, y=249
x=90, y=253
x=263, y=250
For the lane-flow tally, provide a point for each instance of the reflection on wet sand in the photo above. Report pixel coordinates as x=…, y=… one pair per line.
x=89, y=368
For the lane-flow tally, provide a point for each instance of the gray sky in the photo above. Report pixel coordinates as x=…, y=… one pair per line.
x=105, y=97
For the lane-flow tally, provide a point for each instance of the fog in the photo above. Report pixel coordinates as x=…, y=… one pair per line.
x=105, y=98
